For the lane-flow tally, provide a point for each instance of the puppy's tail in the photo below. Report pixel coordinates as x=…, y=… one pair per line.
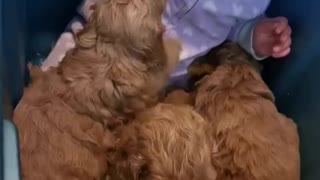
x=34, y=71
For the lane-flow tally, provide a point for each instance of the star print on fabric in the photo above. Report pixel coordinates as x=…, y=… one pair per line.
x=203, y=48
x=210, y=6
x=188, y=51
x=255, y=11
x=187, y=31
x=237, y=9
x=167, y=24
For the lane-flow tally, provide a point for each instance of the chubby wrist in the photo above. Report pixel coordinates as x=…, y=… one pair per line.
x=245, y=38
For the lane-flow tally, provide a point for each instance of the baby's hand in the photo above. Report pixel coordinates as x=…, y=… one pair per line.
x=272, y=37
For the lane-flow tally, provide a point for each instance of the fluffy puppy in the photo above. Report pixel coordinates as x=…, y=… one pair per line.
x=56, y=142
x=206, y=64
x=121, y=61
x=118, y=67
x=198, y=69
x=253, y=141
x=163, y=143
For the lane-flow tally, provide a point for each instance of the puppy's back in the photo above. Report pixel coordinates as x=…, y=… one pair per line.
x=253, y=140
x=167, y=142
x=55, y=141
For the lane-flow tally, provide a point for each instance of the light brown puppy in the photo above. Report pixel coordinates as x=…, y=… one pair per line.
x=253, y=141
x=118, y=67
x=121, y=61
x=166, y=142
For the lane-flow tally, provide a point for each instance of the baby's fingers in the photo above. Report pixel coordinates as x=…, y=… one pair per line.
x=286, y=35
x=282, y=46
x=281, y=25
x=282, y=53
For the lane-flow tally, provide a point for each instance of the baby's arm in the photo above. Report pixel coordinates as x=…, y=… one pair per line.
x=242, y=32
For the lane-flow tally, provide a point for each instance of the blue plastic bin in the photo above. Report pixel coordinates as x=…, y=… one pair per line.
x=294, y=80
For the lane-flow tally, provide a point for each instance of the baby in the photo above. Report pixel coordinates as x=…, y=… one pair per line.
x=204, y=24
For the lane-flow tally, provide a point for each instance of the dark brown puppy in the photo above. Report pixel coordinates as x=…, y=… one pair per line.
x=253, y=141
x=118, y=67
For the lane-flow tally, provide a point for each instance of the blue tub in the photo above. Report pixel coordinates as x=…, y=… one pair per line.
x=294, y=80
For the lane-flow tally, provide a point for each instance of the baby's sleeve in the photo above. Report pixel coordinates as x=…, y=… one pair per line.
x=242, y=32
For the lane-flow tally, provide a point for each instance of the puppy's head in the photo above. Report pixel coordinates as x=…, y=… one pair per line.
x=230, y=52
x=226, y=61
x=164, y=143
x=124, y=22
x=226, y=53
x=234, y=71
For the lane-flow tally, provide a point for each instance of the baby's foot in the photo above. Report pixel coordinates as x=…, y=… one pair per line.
x=65, y=43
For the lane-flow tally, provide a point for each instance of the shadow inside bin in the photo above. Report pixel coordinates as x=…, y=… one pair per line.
x=46, y=20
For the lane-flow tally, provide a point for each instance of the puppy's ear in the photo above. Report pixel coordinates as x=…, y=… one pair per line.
x=264, y=92
x=259, y=87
